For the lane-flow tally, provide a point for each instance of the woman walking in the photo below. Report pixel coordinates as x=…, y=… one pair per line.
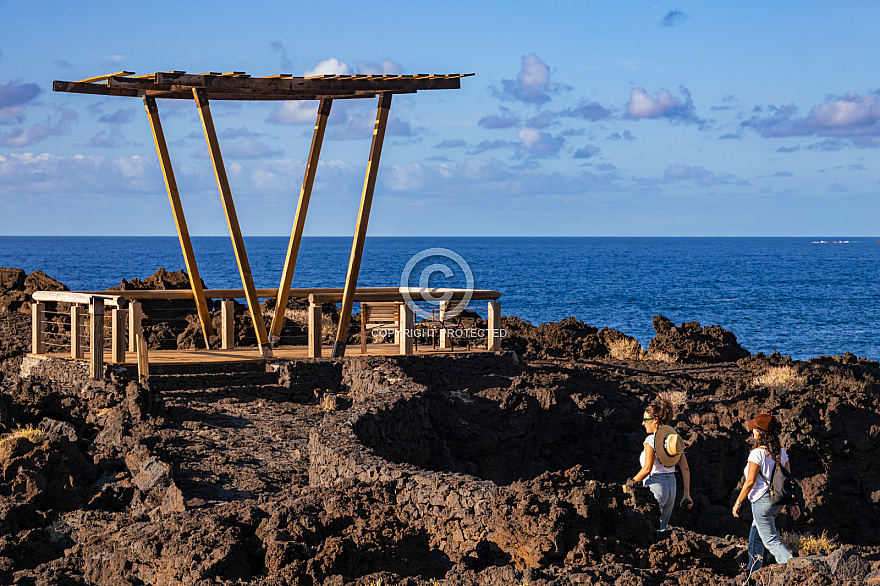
x=767, y=453
x=662, y=450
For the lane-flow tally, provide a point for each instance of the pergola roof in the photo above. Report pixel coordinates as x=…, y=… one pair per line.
x=236, y=85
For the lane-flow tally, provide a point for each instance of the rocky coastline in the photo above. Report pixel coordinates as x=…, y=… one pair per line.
x=498, y=469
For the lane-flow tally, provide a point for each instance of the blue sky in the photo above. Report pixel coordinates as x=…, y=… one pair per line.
x=584, y=118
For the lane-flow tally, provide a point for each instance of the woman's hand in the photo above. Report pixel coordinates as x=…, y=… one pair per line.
x=795, y=512
x=736, y=507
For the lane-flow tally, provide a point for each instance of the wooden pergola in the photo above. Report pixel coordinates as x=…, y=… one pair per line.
x=239, y=86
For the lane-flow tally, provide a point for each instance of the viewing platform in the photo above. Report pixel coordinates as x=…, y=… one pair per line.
x=106, y=327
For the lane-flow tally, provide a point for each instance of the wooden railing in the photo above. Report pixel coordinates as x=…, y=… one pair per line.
x=127, y=304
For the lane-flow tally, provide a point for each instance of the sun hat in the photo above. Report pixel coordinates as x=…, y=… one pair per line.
x=764, y=422
x=668, y=445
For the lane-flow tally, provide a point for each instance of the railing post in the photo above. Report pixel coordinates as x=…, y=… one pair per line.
x=445, y=341
x=315, y=330
x=405, y=332
x=227, y=324
x=143, y=358
x=117, y=336
x=76, y=324
x=135, y=324
x=493, y=339
x=96, y=341
x=38, y=328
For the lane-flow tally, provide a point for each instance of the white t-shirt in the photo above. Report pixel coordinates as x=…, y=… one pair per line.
x=657, y=468
x=765, y=463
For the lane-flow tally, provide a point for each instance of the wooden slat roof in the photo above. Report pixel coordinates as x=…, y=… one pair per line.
x=237, y=85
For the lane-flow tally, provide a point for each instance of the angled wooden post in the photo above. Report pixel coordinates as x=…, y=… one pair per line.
x=189, y=257
x=357, y=247
x=299, y=221
x=244, y=268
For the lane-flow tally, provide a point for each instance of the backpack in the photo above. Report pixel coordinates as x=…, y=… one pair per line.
x=784, y=488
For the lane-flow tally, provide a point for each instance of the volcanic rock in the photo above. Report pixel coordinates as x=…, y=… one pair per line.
x=690, y=344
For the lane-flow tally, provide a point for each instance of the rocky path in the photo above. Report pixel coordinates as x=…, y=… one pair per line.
x=232, y=442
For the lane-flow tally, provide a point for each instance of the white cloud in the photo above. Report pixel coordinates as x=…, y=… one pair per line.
x=641, y=105
x=329, y=66
x=537, y=143
x=490, y=177
x=76, y=175
x=294, y=112
x=532, y=84
x=22, y=137
x=383, y=67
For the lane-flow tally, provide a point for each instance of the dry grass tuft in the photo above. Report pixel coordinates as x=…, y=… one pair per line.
x=35, y=436
x=328, y=402
x=812, y=544
x=626, y=349
x=662, y=357
x=675, y=398
x=780, y=378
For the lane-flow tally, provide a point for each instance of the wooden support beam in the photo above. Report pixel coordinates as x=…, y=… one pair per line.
x=227, y=320
x=76, y=331
x=106, y=77
x=135, y=324
x=405, y=329
x=117, y=336
x=357, y=247
x=315, y=330
x=244, y=267
x=189, y=257
x=493, y=340
x=96, y=338
x=299, y=221
x=38, y=328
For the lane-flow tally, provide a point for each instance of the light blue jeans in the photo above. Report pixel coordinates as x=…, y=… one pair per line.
x=763, y=533
x=663, y=488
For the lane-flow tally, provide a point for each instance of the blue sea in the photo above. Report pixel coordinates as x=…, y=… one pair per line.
x=799, y=296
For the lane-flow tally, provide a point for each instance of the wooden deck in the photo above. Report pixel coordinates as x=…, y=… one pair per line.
x=252, y=354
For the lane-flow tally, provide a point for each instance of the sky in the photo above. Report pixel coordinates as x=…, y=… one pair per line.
x=583, y=118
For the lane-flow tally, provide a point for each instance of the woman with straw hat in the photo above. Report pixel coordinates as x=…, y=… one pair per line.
x=767, y=453
x=663, y=449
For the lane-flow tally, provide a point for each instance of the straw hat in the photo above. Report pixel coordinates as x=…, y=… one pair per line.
x=668, y=445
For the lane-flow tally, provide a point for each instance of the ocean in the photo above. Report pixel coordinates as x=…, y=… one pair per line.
x=803, y=297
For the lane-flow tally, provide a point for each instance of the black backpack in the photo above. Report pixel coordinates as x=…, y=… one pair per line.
x=784, y=488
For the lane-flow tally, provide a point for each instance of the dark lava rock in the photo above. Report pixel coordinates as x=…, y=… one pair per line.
x=16, y=288
x=569, y=339
x=690, y=343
